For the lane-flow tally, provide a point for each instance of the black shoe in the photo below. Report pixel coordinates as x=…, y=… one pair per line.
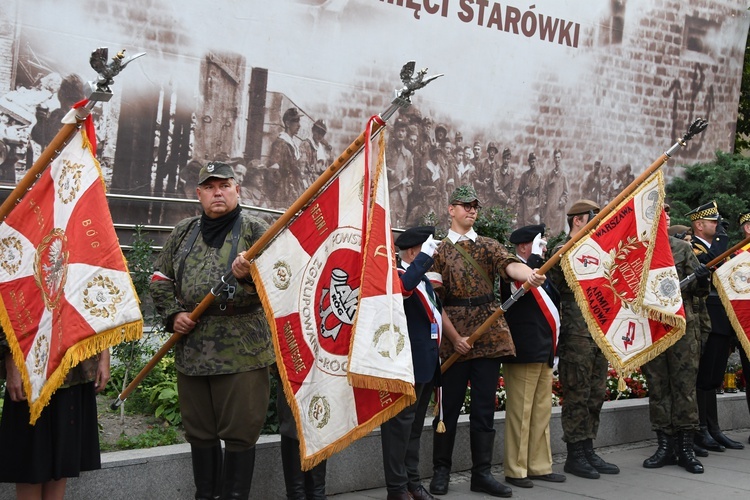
x=596, y=461
x=485, y=483
x=521, y=482
x=685, y=454
x=419, y=493
x=703, y=439
x=401, y=495
x=665, y=452
x=440, y=479
x=552, y=477
x=724, y=441
x=699, y=452
x=576, y=462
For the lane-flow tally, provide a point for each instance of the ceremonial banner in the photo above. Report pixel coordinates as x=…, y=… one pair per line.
x=65, y=289
x=625, y=282
x=732, y=281
x=332, y=296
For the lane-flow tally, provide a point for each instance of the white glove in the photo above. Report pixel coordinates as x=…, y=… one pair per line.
x=539, y=245
x=429, y=246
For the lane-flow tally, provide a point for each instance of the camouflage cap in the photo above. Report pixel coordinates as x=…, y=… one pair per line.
x=217, y=169
x=583, y=207
x=708, y=211
x=463, y=194
x=744, y=218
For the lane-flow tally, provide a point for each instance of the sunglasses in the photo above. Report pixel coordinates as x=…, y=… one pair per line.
x=468, y=206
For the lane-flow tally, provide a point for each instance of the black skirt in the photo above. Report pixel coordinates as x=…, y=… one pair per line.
x=63, y=442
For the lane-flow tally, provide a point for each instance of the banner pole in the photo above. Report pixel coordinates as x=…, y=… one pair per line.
x=402, y=100
x=696, y=127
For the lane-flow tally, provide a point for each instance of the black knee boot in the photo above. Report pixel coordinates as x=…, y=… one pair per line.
x=685, y=456
x=206, y=471
x=294, y=478
x=702, y=438
x=576, y=463
x=238, y=474
x=482, y=445
x=665, y=452
x=442, y=460
x=596, y=461
x=315, y=482
x=712, y=421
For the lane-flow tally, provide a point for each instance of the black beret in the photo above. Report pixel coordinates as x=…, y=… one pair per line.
x=414, y=236
x=526, y=234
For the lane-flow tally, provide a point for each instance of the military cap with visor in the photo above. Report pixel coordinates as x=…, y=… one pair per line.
x=744, y=218
x=217, y=169
x=709, y=211
x=414, y=236
x=463, y=194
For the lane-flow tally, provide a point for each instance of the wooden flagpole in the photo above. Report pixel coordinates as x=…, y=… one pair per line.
x=412, y=82
x=696, y=127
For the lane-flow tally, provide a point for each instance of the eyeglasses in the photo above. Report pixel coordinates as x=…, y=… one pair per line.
x=469, y=206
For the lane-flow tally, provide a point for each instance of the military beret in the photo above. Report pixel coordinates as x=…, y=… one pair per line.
x=677, y=229
x=414, y=236
x=526, y=234
x=291, y=115
x=217, y=169
x=463, y=194
x=744, y=218
x=583, y=207
x=709, y=211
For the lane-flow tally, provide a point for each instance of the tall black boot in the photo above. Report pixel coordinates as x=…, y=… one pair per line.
x=482, y=445
x=315, y=482
x=712, y=421
x=206, y=471
x=442, y=460
x=596, y=461
x=238, y=474
x=702, y=437
x=576, y=463
x=685, y=456
x=294, y=478
x=665, y=452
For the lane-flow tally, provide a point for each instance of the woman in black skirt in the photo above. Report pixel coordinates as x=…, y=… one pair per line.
x=65, y=439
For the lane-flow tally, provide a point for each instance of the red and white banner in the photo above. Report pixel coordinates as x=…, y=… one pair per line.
x=65, y=289
x=625, y=282
x=732, y=281
x=332, y=296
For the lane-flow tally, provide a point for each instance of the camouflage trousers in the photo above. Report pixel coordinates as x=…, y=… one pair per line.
x=583, y=376
x=671, y=379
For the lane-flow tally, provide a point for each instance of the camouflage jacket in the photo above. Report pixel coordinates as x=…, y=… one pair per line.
x=219, y=344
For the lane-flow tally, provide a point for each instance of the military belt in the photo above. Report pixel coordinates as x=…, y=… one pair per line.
x=470, y=301
x=231, y=310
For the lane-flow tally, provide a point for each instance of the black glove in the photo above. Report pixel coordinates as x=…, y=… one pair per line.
x=722, y=226
x=701, y=271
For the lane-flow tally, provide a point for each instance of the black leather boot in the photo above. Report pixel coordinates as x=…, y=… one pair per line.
x=206, y=471
x=665, y=452
x=238, y=474
x=442, y=460
x=712, y=421
x=702, y=437
x=685, y=456
x=294, y=478
x=482, y=445
x=699, y=451
x=315, y=482
x=576, y=463
x=596, y=461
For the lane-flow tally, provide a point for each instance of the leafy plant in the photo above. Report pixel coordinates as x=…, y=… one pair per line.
x=156, y=436
x=164, y=397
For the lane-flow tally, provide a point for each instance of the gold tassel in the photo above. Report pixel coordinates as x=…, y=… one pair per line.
x=440, y=427
x=621, y=385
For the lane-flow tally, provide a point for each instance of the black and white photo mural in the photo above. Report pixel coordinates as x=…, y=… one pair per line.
x=541, y=103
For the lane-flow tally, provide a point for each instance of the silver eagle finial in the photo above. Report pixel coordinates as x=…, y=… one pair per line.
x=107, y=70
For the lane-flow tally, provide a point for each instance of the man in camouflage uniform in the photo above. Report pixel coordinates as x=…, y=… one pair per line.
x=672, y=403
x=709, y=241
x=222, y=360
x=464, y=273
x=582, y=368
